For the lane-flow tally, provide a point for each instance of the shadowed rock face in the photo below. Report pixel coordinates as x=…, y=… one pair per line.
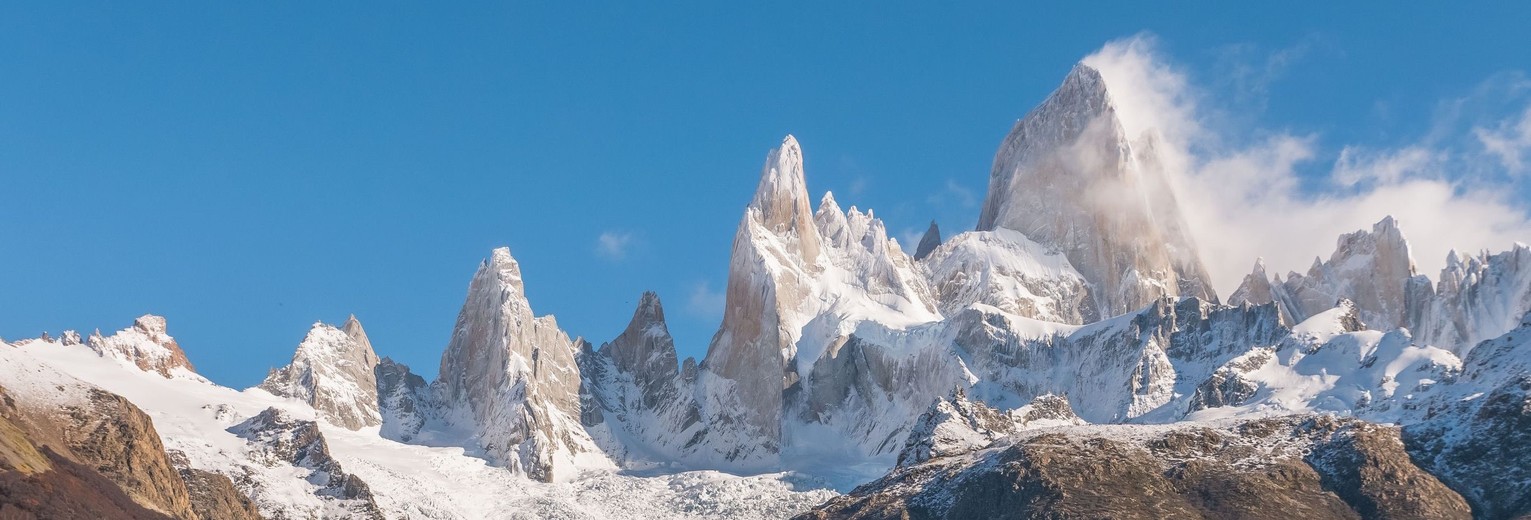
x=1477, y=442
x=1068, y=178
x=647, y=352
x=65, y=489
x=403, y=400
x=929, y=242
x=214, y=497
x=1255, y=469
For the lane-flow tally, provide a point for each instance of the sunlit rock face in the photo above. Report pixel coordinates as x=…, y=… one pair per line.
x=333, y=370
x=511, y=378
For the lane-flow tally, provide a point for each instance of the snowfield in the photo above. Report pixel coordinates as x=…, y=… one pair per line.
x=193, y=416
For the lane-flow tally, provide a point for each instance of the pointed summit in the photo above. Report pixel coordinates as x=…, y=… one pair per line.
x=782, y=198
x=929, y=242
x=512, y=376
x=333, y=370
x=1373, y=269
x=646, y=351
x=1068, y=178
x=1255, y=289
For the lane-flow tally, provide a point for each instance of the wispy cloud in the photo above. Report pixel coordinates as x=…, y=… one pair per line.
x=1509, y=142
x=613, y=245
x=909, y=239
x=1262, y=206
x=705, y=302
x=954, y=194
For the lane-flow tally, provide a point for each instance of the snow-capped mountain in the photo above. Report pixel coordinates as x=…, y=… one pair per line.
x=799, y=282
x=509, y=380
x=1060, y=358
x=332, y=371
x=1068, y=177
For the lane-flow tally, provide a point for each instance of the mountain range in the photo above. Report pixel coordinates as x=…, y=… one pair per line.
x=1067, y=358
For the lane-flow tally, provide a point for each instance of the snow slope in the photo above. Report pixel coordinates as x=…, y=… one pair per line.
x=195, y=417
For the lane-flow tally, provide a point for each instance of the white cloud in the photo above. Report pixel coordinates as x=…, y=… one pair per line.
x=1358, y=165
x=704, y=302
x=1249, y=200
x=1509, y=142
x=613, y=244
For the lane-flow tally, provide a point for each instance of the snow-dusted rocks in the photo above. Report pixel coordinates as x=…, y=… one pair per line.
x=1067, y=177
x=1005, y=270
x=403, y=400
x=637, y=403
x=1477, y=298
x=333, y=371
x=1318, y=467
x=958, y=425
x=798, y=283
x=277, y=439
x=146, y=345
x=509, y=378
x=1475, y=432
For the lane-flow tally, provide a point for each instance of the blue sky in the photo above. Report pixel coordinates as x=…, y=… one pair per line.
x=247, y=169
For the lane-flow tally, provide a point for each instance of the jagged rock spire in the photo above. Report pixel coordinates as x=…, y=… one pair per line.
x=645, y=348
x=1373, y=269
x=929, y=242
x=513, y=375
x=782, y=198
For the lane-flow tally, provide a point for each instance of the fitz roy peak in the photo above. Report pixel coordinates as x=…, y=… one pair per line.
x=1069, y=178
x=1066, y=358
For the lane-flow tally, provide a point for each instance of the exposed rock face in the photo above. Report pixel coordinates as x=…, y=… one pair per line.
x=512, y=376
x=1255, y=289
x=333, y=370
x=634, y=384
x=799, y=284
x=52, y=486
x=284, y=440
x=404, y=400
x=100, y=438
x=1255, y=469
x=929, y=242
x=1068, y=178
x=1475, y=433
x=1372, y=269
x=746, y=366
x=214, y=497
x=1004, y=269
x=119, y=440
x=58, y=434
x=146, y=345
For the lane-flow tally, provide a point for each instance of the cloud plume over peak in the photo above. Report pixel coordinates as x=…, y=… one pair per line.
x=1279, y=198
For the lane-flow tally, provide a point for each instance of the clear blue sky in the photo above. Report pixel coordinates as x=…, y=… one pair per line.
x=248, y=168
